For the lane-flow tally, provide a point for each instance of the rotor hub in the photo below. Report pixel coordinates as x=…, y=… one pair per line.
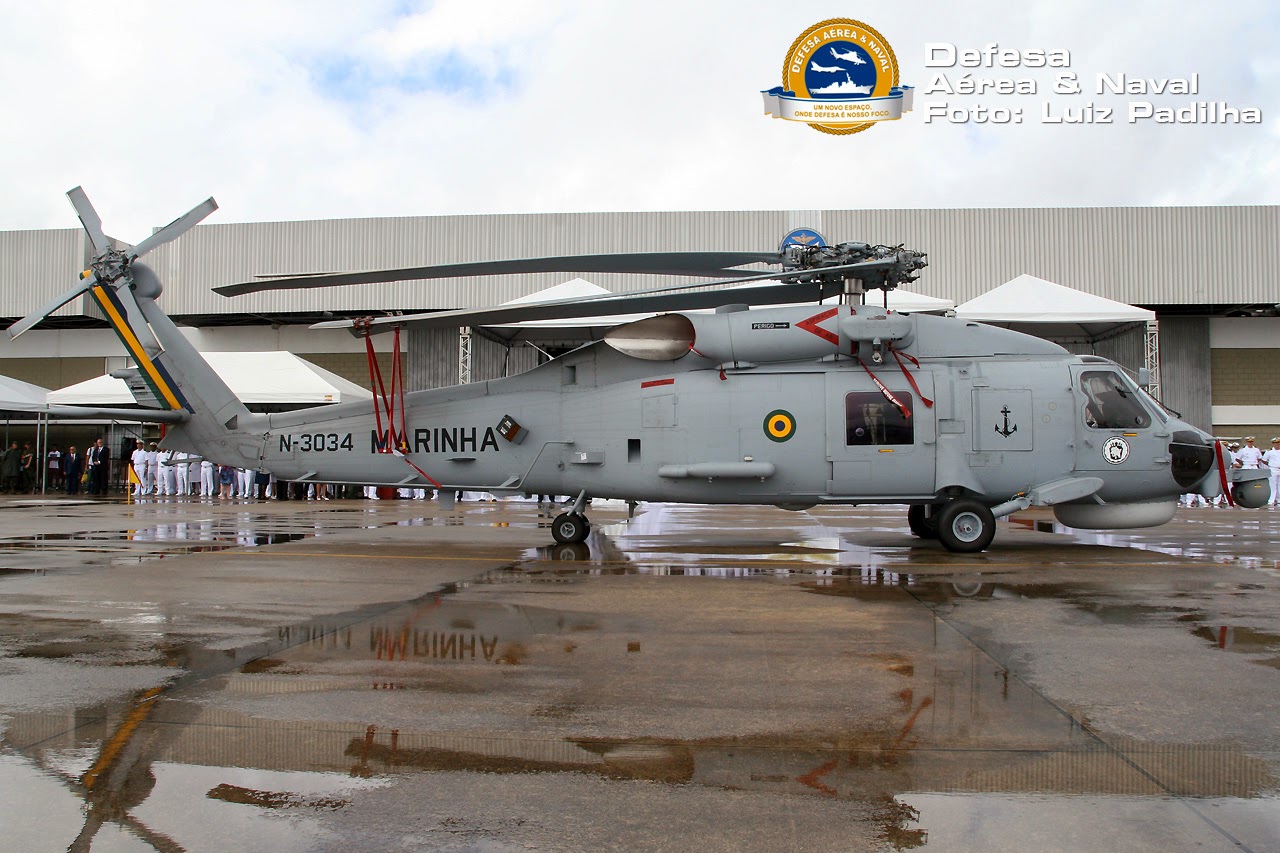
x=888, y=267
x=111, y=266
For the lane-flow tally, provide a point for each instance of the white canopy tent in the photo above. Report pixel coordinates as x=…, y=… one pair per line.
x=1027, y=299
x=592, y=328
x=19, y=396
x=265, y=378
x=1063, y=314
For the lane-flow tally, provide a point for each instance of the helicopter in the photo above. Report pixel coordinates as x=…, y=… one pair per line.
x=788, y=405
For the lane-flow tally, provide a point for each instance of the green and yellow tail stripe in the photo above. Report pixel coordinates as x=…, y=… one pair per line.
x=153, y=372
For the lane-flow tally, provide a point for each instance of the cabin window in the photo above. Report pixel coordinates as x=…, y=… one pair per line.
x=1110, y=403
x=633, y=450
x=871, y=419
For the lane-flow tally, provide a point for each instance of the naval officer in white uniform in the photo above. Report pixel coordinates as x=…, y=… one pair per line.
x=1271, y=458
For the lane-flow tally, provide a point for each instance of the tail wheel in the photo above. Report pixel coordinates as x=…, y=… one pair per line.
x=570, y=527
x=925, y=527
x=966, y=526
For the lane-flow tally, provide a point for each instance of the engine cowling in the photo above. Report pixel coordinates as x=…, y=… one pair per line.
x=763, y=335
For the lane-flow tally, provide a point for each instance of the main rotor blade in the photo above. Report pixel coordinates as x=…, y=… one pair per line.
x=792, y=286
x=89, y=219
x=653, y=263
x=644, y=303
x=45, y=310
x=176, y=228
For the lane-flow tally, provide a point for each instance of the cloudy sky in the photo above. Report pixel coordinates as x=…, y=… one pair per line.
x=305, y=109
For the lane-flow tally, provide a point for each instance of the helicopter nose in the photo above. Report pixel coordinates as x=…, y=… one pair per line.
x=1192, y=456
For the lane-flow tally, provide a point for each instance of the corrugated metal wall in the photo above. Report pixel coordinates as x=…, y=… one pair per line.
x=38, y=265
x=1186, y=380
x=431, y=358
x=1163, y=255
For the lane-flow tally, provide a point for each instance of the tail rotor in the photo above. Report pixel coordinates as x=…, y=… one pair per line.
x=109, y=277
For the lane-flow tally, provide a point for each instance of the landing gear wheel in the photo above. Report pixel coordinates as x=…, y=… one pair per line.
x=570, y=527
x=965, y=526
x=922, y=526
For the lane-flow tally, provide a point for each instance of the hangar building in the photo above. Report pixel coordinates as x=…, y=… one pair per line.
x=1211, y=274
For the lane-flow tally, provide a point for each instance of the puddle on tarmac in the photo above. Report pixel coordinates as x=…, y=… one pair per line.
x=149, y=539
x=599, y=557
x=958, y=725
x=1242, y=640
x=1218, y=544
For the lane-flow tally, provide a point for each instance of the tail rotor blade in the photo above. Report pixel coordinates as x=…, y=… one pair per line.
x=176, y=228
x=89, y=219
x=45, y=310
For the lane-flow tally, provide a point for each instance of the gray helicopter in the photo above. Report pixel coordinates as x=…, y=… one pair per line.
x=794, y=406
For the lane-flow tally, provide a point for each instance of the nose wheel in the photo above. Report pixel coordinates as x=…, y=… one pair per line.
x=570, y=527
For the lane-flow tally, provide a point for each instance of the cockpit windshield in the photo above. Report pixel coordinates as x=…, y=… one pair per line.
x=1110, y=402
x=1162, y=411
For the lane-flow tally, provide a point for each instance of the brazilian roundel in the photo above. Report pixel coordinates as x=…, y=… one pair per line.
x=779, y=425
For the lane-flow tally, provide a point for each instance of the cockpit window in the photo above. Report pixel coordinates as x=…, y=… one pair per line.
x=1110, y=403
x=869, y=418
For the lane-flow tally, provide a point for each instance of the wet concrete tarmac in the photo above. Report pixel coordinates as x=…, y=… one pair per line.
x=393, y=676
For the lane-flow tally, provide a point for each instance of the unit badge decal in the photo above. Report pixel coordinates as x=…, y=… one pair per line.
x=1115, y=450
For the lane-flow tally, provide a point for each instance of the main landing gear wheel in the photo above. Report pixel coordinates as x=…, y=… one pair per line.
x=570, y=527
x=965, y=526
x=922, y=526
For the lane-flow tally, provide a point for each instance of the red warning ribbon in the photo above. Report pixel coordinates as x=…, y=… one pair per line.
x=914, y=387
x=888, y=395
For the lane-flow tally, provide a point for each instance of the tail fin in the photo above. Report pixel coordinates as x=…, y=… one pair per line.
x=218, y=425
x=167, y=394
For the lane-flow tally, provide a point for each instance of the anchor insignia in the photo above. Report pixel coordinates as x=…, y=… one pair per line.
x=1007, y=431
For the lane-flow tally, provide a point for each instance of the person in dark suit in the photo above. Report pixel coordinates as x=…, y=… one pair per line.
x=10, y=468
x=74, y=465
x=99, y=462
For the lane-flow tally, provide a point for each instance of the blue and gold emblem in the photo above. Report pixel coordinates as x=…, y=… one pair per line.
x=840, y=76
x=805, y=237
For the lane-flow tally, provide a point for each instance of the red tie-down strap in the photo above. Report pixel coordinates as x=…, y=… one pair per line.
x=888, y=395
x=384, y=401
x=430, y=479
x=916, y=363
x=397, y=383
x=1222, y=473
